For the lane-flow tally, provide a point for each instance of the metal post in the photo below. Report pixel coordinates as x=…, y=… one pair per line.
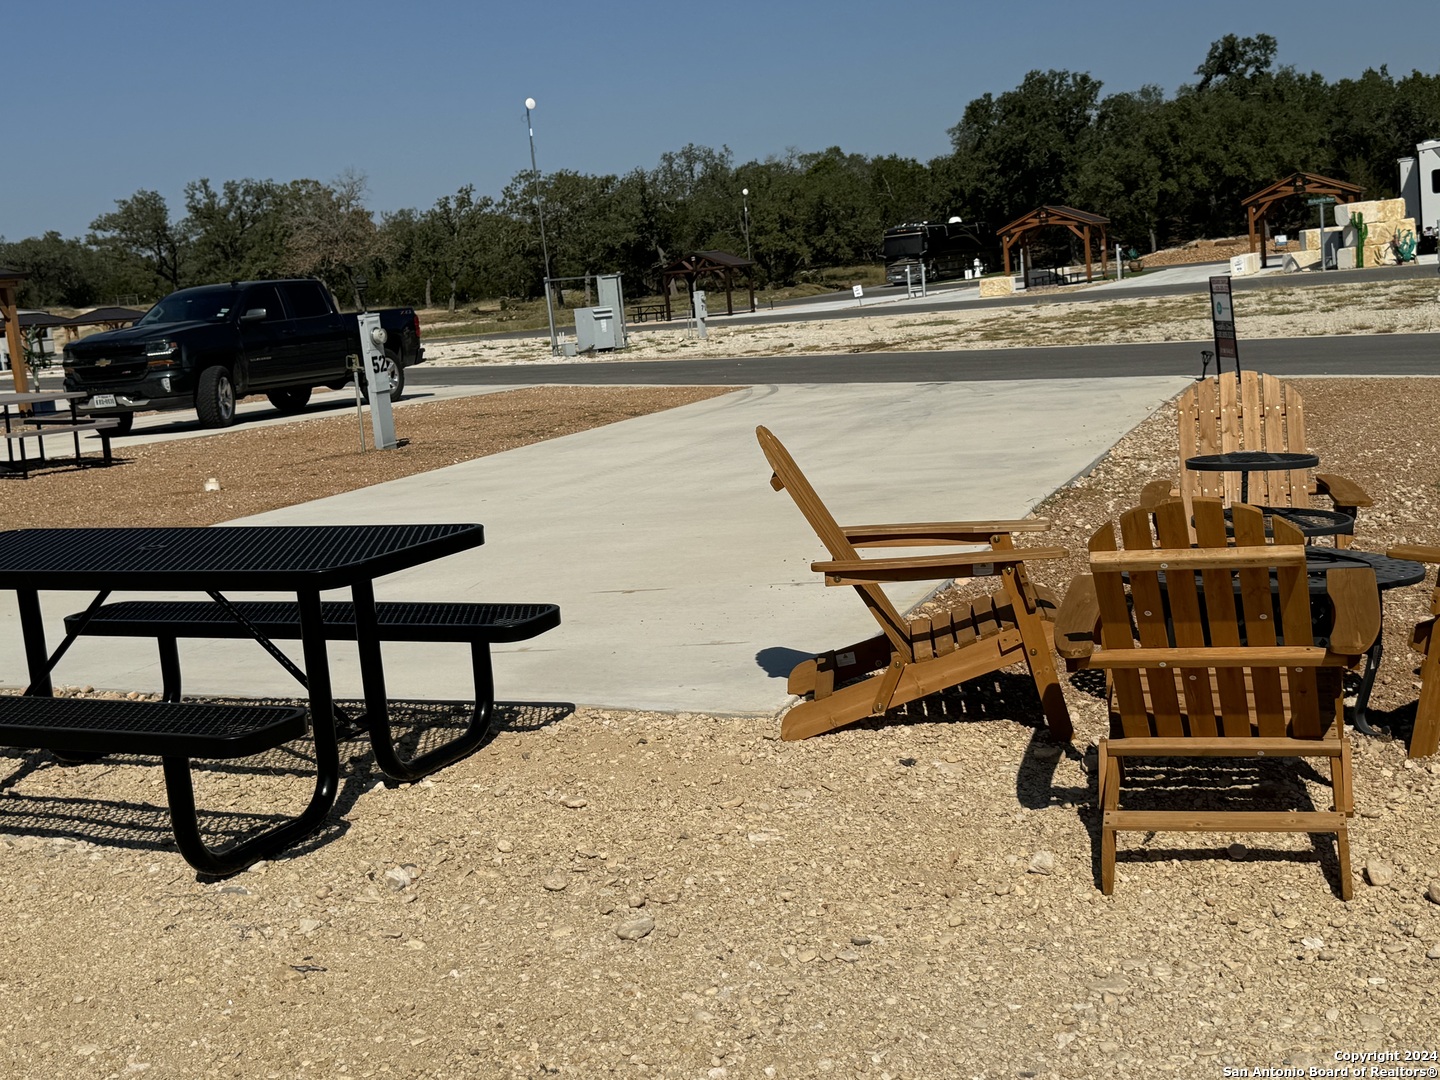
x=540, y=213
x=745, y=221
x=922, y=278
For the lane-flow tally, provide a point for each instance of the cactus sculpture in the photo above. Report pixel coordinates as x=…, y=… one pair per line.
x=1357, y=222
x=1403, y=244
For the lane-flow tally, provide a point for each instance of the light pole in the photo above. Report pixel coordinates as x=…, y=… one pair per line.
x=544, y=251
x=745, y=221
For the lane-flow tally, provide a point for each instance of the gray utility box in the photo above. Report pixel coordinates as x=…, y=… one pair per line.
x=598, y=328
x=612, y=296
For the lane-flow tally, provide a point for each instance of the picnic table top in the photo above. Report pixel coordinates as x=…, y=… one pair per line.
x=281, y=557
x=32, y=397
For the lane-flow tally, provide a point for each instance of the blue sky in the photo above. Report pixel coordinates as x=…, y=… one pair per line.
x=106, y=98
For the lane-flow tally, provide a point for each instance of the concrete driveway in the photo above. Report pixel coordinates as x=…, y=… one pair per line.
x=683, y=579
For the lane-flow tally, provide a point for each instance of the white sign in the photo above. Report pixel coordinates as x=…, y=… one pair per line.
x=859, y=292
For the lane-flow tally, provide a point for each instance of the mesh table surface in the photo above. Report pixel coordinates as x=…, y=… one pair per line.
x=258, y=556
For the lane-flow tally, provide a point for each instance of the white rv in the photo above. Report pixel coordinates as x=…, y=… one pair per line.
x=1420, y=187
x=40, y=338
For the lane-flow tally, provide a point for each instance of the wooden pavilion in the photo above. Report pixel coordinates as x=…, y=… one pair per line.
x=713, y=264
x=1080, y=222
x=1257, y=206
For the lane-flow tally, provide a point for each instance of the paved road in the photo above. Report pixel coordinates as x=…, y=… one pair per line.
x=1379, y=354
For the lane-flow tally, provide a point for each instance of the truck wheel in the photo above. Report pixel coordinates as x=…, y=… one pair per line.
x=291, y=400
x=126, y=422
x=215, y=397
x=397, y=377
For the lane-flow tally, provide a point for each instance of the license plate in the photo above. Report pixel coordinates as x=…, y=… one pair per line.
x=102, y=401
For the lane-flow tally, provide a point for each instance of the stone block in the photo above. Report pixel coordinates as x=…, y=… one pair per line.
x=1248, y=263
x=1374, y=210
x=1345, y=259
x=1301, y=260
x=997, y=286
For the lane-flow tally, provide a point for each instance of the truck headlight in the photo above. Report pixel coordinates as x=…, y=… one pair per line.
x=161, y=348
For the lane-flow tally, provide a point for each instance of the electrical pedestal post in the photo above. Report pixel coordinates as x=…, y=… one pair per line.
x=377, y=379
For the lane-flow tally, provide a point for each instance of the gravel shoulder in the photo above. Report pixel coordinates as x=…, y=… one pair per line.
x=604, y=894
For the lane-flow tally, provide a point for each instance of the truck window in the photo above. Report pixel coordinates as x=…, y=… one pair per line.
x=192, y=305
x=264, y=296
x=305, y=300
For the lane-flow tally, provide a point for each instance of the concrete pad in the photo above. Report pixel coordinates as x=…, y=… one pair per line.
x=682, y=578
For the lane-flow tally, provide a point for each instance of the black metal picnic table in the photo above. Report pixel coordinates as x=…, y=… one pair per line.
x=305, y=560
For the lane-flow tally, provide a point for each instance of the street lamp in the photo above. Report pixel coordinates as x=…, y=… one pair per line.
x=745, y=194
x=544, y=251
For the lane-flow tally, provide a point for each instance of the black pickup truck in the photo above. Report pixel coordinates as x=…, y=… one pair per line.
x=209, y=346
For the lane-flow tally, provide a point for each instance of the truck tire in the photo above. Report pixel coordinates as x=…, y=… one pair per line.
x=290, y=400
x=397, y=377
x=215, y=397
x=126, y=422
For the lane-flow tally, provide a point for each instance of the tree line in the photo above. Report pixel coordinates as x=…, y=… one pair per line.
x=1163, y=169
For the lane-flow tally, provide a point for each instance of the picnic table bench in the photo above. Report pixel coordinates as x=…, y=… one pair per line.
x=479, y=625
x=647, y=309
x=304, y=561
x=79, y=729
x=38, y=425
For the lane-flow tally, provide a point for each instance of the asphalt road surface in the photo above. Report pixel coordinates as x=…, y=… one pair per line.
x=1378, y=354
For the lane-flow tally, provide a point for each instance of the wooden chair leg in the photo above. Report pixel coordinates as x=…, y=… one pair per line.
x=1425, y=739
x=1342, y=850
x=1039, y=648
x=1107, y=769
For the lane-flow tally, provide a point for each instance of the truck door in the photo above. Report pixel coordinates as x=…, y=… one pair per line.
x=266, y=342
x=321, y=343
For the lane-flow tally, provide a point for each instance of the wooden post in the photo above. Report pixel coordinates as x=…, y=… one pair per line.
x=18, y=368
x=1089, y=275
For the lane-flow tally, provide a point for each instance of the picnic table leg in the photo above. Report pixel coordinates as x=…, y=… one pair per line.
x=32, y=628
x=377, y=707
x=180, y=790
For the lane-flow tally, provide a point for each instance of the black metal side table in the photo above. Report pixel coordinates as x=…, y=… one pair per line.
x=1245, y=462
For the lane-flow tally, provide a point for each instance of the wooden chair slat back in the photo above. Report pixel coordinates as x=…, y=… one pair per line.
x=1187, y=618
x=1254, y=412
x=1226, y=607
x=789, y=477
x=1116, y=633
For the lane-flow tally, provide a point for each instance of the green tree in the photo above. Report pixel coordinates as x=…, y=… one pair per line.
x=238, y=232
x=330, y=231
x=451, y=232
x=1236, y=58
x=1024, y=149
x=139, y=230
x=60, y=272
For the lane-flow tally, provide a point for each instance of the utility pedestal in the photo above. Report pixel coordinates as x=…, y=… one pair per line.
x=377, y=380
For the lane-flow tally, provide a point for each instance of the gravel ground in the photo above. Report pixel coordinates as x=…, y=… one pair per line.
x=636, y=894
x=1306, y=309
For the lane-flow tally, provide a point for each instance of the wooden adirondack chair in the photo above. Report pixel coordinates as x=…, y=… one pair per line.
x=913, y=658
x=1425, y=739
x=1193, y=673
x=1254, y=412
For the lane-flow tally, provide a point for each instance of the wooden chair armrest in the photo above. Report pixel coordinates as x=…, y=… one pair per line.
x=922, y=567
x=1077, y=620
x=1156, y=492
x=1341, y=491
x=1415, y=552
x=1356, y=600
x=927, y=533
